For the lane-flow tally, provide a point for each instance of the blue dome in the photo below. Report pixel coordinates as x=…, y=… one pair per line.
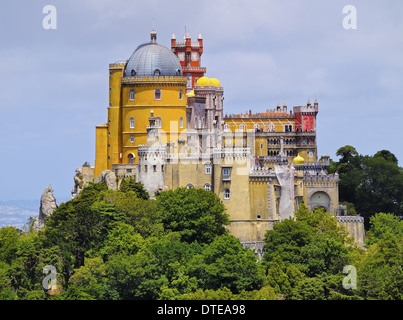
x=152, y=59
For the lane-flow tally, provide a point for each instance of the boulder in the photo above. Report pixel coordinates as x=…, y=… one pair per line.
x=47, y=207
x=109, y=177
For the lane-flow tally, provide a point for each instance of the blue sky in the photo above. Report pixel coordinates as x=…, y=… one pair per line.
x=54, y=83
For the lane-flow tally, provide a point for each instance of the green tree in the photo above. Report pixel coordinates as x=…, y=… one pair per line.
x=90, y=280
x=6, y=290
x=349, y=168
x=383, y=226
x=286, y=240
x=197, y=214
x=370, y=183
x=143, y=215
x=226, y=263
x=8, y=243
x=135, y=276
x=387, y=155
x=381, y=187
x=380, y=273
x=130, y=184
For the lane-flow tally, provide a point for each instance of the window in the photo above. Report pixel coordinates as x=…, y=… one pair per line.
x=158, y=122
x=189, y=186
x=157, y=73
x=227, y=194
x=226, y=127
x=207, y=187
x=157, y=94
x=155, y=168
x=288, y=128
x=128, y=170
x=133, y=72
x=131, y=158
x=207, y=168
x=180, y=94
x=131, y=120
x=242, y=127
x=226, y=174
x=131, y=95
x=181, y=122
x=132, y=138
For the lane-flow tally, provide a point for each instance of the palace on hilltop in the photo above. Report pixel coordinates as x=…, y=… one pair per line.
x=166, y=126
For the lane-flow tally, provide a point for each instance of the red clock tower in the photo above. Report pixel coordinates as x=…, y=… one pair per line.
x=189, y=54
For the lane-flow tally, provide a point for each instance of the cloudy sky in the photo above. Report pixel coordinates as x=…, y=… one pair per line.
x=54, y=83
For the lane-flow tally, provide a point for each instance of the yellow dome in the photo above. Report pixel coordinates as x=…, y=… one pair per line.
x=191, y=94
x=215, y=82
x=298, y=160
x=203, y=81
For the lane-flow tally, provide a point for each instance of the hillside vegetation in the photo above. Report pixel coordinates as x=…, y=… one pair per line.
x=120, y=245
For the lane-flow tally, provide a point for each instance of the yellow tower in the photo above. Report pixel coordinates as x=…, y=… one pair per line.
x=150, y=84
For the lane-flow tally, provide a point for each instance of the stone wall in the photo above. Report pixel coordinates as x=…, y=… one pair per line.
x=355, y=228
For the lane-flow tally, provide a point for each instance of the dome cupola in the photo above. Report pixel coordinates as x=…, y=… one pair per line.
x=151, y=59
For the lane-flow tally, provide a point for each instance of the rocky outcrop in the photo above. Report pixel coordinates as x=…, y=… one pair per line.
x=47, y=207
x=83, y=176
x=79, y=183
x=109, y=177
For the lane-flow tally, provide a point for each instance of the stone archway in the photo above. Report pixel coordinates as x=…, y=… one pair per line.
x=320, y=199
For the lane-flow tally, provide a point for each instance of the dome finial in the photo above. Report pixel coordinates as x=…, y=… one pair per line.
x=153, y=36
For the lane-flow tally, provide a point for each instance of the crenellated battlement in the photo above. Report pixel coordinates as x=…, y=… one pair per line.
x=320, y=179
x=350, y=219
x=151, y=151
x=306, y=109
x=257, y=171
x=118, y=65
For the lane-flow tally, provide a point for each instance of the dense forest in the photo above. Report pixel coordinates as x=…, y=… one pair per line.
x=121, y=245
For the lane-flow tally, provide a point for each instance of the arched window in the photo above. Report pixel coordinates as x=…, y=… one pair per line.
x=133, y=72
x=131, y=120
x=157, y=94
x=131, y=158
x=242, y=127
x=189, y=186
x=227, y=194
x=207, y=187
x=131, y=95
x=157, y=73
